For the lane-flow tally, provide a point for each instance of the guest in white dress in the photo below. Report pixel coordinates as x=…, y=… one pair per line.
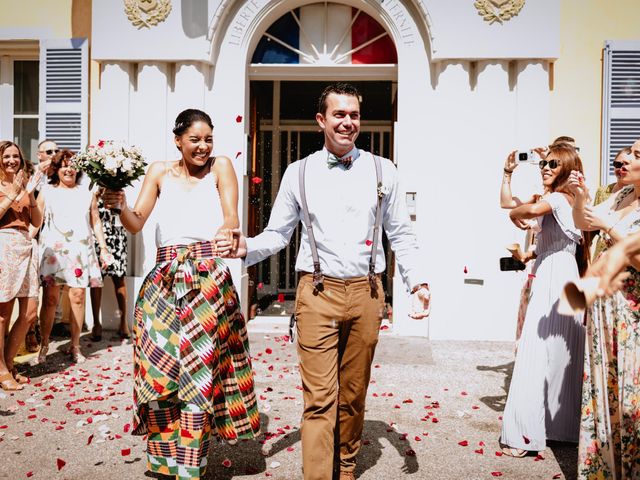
x=68, y=256
x=544, y=395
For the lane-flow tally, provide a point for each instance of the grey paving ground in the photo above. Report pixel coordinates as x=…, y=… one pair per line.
x=433, y=413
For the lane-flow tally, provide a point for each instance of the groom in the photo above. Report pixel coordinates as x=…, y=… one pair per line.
x=338, y=320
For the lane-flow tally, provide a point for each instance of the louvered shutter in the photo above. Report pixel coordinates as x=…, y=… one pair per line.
x=64, y=87
x=620, y=101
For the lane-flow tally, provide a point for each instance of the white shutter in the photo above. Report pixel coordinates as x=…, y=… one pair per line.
x=620, y=101
x=64, y=87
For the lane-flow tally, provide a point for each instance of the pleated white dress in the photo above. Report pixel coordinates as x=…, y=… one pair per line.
x=545, y=392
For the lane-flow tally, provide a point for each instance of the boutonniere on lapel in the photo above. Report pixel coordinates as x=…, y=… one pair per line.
x=382, y=190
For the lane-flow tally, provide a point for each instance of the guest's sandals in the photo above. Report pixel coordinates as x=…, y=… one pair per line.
x=514, y=452
x=96, y=333
x=8, y=383
x=21, y=379
x=76, y=355
x=31, y=343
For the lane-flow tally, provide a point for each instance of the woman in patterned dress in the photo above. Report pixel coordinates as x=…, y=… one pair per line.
x=18, y=259
x=543, y=402
x=67, y=255
x=116, y=240
x=610, y=424
x=192, y=370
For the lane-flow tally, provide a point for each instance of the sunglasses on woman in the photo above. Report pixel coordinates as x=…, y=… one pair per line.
x=617, y=164
x=552, y=164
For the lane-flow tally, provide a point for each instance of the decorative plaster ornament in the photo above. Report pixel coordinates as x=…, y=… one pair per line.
x=498, y=10
x=147, y=13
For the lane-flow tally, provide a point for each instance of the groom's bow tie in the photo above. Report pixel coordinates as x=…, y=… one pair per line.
x=333, y=160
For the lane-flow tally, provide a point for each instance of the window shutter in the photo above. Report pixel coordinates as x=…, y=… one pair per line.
x=620, y=101
x=64, y=87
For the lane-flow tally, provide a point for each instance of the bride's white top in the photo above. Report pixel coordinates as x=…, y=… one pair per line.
x=187, y=214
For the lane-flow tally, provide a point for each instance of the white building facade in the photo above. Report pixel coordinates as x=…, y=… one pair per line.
x=465, y=91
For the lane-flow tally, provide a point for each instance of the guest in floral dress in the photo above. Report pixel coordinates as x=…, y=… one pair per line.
x=67, y=253
x=610, y=425
x=192, y=368
x=18, y=259
x=116, y=239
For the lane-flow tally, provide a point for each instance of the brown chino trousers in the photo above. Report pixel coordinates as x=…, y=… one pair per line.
x=337, y=335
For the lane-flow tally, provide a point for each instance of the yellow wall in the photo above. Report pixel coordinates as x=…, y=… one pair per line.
x=576, y=102
x=33, y=14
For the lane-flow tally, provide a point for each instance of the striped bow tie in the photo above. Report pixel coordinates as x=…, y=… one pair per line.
x=333, y=160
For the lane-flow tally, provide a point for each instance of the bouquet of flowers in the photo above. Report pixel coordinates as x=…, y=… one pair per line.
x=110, y=164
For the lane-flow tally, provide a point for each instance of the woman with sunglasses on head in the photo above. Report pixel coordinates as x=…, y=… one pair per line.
x=67, y=253
x=610, y=424
x=543, y=402
x=18, y=258
x=192, y=368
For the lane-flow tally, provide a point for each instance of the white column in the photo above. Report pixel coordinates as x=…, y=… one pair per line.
x=110, y=106
x=6, y=98
x=149, y=131
x=188, y=88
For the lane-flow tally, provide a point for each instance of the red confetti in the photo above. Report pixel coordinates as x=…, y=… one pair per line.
x=463, y=443
x=238, y=118
x=90, y=439
x=496, y=474
x=60, y=463
x=368, y=243
x=125, y=452
x=226, y=463
x=256, y=180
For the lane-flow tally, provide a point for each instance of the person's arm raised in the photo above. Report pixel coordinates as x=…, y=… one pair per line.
x=134, y=220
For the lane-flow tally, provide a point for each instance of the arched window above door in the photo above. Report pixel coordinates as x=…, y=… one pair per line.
x=325, y=34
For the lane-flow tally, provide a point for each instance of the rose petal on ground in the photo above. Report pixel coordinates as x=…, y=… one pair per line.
x=29, y=474
x=538, y=458
x=290, y=449
x=127, y=427
x=268, y=351
x=226, y=463
x=479, y=451
x=496, y=474
x=90, y=439
x=28, y=434
x=125, y=452
x=60, y=463
x=499, y=454
x=463, y=443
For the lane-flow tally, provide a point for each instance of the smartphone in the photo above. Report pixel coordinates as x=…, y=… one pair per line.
x=510, y=264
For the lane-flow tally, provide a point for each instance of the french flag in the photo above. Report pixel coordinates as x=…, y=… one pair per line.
x=326, y=34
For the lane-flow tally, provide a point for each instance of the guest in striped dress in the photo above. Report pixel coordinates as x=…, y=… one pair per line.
x=192, y=369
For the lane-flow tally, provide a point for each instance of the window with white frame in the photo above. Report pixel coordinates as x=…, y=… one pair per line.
x=620, y=101
x=44, y=93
